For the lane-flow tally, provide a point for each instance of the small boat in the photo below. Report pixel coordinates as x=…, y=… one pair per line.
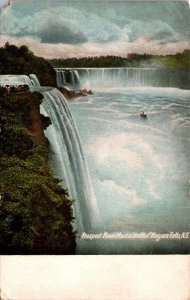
x=143, y=115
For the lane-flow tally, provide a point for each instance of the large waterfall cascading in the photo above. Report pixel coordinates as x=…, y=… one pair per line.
x=68, y=79
x=97, y=78
x=68, y=158
x=30, y=80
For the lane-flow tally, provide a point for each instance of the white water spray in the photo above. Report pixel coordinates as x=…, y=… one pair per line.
x=68, y=158
x=98, y=78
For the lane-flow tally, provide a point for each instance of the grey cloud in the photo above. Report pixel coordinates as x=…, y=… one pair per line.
x=165, y=37
x=157, y=31
x=100, y=23
x=46, y=26
x=49, y=34
x=61, y=34
x=63, y=25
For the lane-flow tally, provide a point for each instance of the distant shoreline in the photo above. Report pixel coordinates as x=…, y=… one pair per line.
x=178, y=60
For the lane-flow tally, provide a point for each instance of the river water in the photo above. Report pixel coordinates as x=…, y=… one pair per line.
x=140, y=168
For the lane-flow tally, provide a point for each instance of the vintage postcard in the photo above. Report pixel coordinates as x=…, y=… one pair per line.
x=94, y=149
x=95, y=119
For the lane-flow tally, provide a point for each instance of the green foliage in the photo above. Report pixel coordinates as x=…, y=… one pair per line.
x=15, y=140
x=35, y=212
x=14, y=60
x=179, y=60
x=90, y=62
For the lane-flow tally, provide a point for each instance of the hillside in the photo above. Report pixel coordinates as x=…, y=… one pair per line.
x=35, y=212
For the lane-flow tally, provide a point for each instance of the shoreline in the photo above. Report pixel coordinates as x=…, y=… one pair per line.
x=71, y=95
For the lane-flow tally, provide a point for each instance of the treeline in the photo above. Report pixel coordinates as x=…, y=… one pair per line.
x=179, y=60
x=90, y=62
x=20, y=60
x=35, y=212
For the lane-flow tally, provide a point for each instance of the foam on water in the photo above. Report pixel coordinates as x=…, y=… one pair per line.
x=140, y=168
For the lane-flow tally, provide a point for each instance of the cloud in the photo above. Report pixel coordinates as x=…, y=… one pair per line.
x=61, y=25
x=90, y=30
x=61, y=35
x=156, y=31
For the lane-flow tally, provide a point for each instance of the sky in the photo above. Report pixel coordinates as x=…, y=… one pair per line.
x=57, y=28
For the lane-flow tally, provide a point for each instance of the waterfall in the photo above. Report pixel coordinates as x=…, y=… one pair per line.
x=97, y=78
x=30, y=80
x=119, y=77
x=34, y=79
x=68, y=79
x=68, y=158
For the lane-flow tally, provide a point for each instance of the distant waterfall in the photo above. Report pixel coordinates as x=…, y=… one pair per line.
x=68, y=157
x=30, y=80
x=97, y=78
x=68, y=79
x=133, y=77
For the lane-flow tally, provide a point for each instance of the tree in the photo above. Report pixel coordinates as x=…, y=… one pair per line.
x=35, y=212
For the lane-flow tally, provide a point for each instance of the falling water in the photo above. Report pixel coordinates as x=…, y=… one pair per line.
x=98, y=78
x=30, y=80
x=34, y=80
x=68, y=79
x=139, y=169
x=68, y=158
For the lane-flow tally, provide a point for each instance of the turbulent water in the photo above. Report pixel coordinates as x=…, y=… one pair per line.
x=127, y=175
x=140, y=168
